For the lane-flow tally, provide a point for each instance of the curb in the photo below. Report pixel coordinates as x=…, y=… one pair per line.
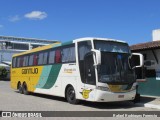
x=149, y=105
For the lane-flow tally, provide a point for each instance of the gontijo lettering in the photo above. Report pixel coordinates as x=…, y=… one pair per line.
x=30, y=71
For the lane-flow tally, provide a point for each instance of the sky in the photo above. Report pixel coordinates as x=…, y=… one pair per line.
x=64, y=20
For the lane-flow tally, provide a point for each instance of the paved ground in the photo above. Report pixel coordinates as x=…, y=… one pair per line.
x=150, y=102
x=10, y=100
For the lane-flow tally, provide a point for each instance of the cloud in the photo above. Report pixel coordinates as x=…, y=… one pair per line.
x=36, y=15
x=14, y=18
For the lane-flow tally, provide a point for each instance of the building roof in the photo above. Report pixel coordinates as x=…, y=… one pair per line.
x=12, y=38
x=145, y=46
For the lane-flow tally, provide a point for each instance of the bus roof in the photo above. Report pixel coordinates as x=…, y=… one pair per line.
x=66, y=43
x=96, y=38
x=39, y=49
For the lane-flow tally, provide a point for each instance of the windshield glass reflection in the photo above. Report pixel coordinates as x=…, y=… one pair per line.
x=115, y=68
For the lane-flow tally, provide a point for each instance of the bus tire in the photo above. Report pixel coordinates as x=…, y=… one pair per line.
x=25, y=89
x=71, y=95
x=19, y=87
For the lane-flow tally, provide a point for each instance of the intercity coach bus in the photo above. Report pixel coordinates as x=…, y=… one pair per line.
x=91, y=69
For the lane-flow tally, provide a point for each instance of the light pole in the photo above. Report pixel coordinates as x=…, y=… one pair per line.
x=30, y=46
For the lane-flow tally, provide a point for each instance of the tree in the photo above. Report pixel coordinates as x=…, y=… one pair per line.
x=3, y=72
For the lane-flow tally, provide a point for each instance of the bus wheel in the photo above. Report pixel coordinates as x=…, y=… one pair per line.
x=25, y=89
x=71, y=95
x=20, y=88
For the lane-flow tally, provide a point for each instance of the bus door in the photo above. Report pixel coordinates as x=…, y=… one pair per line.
x=87, y=69
x=90, y=78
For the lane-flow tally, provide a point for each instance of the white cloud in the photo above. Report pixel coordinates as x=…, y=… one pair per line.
x=36, y=15
x=14, y=18
x=1, y=26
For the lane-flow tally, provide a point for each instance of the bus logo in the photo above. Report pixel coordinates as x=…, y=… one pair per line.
x=85, y=94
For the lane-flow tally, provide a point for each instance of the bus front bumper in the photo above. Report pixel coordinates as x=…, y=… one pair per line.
x=106, y=96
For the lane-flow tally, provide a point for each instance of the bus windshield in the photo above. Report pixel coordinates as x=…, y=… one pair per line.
x=114, y=69
x=110, y=46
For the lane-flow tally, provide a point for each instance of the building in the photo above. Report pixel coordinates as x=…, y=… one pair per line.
x=12, y=45
x=151, y=70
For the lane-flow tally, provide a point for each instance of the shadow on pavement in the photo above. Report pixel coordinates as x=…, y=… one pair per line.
x=49, y=97
x=101, y=105
x=98, y=105
x=109, y=105
x=144, y=99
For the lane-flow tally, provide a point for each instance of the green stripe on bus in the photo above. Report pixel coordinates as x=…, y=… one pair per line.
x=53, y=75
x=44, y=76
x=67, y=43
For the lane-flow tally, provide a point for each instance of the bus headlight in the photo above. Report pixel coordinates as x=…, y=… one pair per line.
x=102, y=88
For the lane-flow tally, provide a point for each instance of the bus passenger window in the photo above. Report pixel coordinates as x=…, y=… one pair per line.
x=25, y=61
x=40, y=60
x=51, y=57
x=30, y=60
x=21, y=61
x=45, y=56
x=58, y=56
x=68, y=54
x=35, y=59
x=18, y=62
x=14, y=63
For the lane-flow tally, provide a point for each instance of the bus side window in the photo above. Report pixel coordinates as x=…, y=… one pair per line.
x=18, y=62
x=72, y=54
x=40, y=60
x=25, y=61
x=58, y=56
x=30, y=60
x=35, y=59
x=14, y=62
x=51, y=57
x=21, y=61
x=45, y=57
x=68, y=54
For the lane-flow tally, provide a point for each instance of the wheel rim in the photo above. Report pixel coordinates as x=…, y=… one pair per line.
x=71, y=94
x=19, y=88
x=25, y=89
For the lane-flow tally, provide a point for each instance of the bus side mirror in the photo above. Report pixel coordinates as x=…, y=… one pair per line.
x=97, y=54
x=136, y=60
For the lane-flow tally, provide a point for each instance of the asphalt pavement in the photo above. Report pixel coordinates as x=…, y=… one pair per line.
x=11, y=100
x=149, y=101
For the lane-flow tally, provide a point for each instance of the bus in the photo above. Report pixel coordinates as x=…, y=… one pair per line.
x=90, y=69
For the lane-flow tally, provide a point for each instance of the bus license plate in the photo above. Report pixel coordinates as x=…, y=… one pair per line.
x=120, y=96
